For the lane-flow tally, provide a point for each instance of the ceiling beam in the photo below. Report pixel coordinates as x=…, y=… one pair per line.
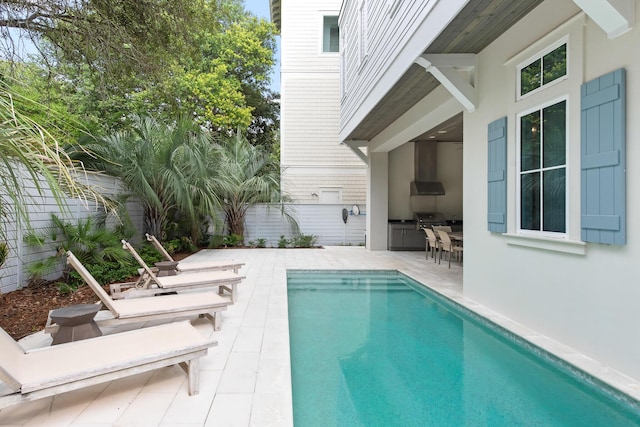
x=447, y=67
x=615, y=17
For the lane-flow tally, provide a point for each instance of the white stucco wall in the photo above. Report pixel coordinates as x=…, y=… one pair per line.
x=587, y=300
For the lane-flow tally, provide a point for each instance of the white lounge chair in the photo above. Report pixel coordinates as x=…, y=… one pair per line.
x=43, y=372
x=151, y=284
x=208, y=304
x=193, y=266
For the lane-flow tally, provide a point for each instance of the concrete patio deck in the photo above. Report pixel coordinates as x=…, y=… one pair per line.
x=246, y=380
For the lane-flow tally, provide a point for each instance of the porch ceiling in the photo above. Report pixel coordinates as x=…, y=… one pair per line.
x=478, y=24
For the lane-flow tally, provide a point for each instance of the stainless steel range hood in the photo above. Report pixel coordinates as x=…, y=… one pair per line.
x=425, y=169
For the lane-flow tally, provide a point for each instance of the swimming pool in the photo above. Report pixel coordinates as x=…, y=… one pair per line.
x=372, y=348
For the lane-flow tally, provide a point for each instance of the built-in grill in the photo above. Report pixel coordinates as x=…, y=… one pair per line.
x=429, y=219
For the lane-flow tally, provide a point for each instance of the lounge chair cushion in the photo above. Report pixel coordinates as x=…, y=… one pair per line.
x=51, y=366
x=209, y=265
x=198, y=279
x=167, y=304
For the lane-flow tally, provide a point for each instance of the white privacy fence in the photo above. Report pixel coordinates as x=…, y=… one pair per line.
x=323, y=221
x=13, y=274
x=262, y=222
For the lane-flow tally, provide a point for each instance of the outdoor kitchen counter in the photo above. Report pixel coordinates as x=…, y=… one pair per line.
x=404, y=235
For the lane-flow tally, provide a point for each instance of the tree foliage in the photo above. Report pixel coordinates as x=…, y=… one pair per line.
x=227, y=86
x=213, y=65
x=106, y=64
x=116, y=36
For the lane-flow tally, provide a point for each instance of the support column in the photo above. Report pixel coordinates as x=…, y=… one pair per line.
x=377, y=201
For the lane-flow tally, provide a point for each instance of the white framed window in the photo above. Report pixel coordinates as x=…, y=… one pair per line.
x=545, y=68
x=542, y=169
x=542, y=192
x=330, y=34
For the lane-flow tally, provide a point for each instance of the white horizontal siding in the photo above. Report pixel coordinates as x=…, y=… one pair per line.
x=310, y=116
x=394, y=42
x=301, y=37
x=310, y=108
x=301, y=186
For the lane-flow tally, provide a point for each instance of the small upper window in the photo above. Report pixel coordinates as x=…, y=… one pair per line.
x=330, y=34
x=543, y=70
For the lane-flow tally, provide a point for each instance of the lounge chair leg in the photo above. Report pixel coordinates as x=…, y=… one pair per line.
x=215, y=320
x=192, y=368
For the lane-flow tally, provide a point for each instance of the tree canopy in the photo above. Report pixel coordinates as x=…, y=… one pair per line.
x=163, y=79
x=110, y=61
x=114, y=36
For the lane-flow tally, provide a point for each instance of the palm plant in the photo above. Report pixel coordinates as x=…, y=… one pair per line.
x=167, y=167
x=31, y=158
x=91, y=242
x=246, y=175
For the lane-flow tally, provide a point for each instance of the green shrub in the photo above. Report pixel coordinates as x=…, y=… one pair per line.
x=304, y=241
x=106, y=272
x=172, y=246
x=112, y=272
x=149, y=254
x=283, y=242
x=91, y=243
x=258, y=243
x=233, y=240
x=65, y=288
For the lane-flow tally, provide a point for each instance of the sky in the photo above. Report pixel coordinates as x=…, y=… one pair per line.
x=260, y=8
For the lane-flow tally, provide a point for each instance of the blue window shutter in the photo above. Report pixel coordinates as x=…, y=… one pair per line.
x=603, y=159
x=497, y=176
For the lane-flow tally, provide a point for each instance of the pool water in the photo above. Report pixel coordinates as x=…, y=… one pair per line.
x=372, y=348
